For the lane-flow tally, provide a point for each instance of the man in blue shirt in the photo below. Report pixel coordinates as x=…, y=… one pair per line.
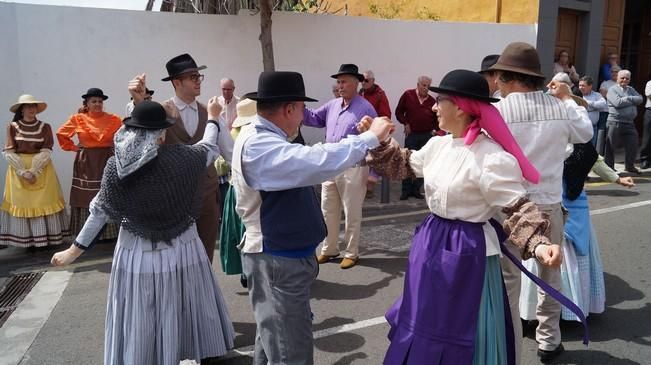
x=273, y=181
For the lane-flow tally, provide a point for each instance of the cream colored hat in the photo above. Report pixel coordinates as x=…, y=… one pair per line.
x=246, y=113
x=28, y=99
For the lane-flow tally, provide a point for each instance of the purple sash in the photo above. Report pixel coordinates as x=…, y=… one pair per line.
x=551, y=291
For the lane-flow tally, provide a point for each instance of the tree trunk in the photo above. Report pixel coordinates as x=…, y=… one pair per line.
x=266, y=41
x=150, y=5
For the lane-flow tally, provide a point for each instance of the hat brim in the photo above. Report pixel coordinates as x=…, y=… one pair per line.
x=131, y=122
x=440, y=90
x=501, y=67
x=170, y=77
x=359, y=77
x=256, y=97
x=86, y=96
x=40, y=106
x=242, y=121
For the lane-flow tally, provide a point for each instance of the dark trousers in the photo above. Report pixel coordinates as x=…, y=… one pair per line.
x=208, y=222
x=414, y=141
x=645, y=152
x=621, y=133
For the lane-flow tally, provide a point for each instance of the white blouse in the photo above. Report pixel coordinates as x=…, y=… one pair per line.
x=468, y=182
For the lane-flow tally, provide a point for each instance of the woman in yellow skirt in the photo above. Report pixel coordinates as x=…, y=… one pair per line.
x=33, y=209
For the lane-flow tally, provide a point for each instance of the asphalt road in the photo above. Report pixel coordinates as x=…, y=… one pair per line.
x=349, y=305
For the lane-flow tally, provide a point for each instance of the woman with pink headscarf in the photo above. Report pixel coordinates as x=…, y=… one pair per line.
x=454, y=308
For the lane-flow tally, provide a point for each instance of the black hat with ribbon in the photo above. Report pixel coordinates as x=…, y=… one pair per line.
x=274, y=86
x=179, y=65
x=148, y=115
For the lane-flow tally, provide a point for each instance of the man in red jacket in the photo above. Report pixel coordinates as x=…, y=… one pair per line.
x=414, y=110
x=374, y=94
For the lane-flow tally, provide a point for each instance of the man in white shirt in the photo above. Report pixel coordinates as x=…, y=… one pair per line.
x=542, y=125
x=228, y=101
x=596, y=104
x=191, y=118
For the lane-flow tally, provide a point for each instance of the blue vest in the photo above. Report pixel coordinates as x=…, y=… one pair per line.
x=291, y=221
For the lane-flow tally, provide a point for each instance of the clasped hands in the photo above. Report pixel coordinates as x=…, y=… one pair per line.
x=381, y=127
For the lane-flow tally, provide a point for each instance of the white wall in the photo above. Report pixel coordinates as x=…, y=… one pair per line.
x=57, y=53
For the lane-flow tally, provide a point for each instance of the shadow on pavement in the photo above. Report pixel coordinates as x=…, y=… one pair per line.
x=586, y=357
x=612, y=192
x=349, y=359
x=340, y=343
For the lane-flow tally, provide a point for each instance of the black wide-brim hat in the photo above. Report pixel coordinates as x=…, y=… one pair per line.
x=465, y=83
x=94, y=91
x=487, y=62
x=148, y=115
x=349, y=69
x=181, y=64
x=276, y=86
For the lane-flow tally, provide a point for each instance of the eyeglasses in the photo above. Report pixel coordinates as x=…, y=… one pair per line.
x=367, y=80
x=439, y=99
x=227, y=88
x=195, y=77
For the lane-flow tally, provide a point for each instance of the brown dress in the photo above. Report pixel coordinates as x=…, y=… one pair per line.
x=208, y=223
x=95, y=133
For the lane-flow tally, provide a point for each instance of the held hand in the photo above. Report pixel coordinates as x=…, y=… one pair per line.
x=214, y=109
x=364, y=124
x=29, y=177
x=138, y=88
x=66, y=257
x=381, y=127
x=626, y=181
x=549, y=255
x=560, y=90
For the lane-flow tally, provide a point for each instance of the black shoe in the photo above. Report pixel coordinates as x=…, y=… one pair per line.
x=417, y=195
x=546, y=356
x=243, y=281
x=404, y=196
x=646, y=164
x=633, y=171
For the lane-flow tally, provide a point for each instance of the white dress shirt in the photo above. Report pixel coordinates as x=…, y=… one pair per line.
x=229, y=111
x=189, y=114
x=647, y=95
x=596, y=104
x=468, y=182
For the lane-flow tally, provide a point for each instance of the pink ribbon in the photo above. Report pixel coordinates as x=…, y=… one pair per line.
x=488, y=118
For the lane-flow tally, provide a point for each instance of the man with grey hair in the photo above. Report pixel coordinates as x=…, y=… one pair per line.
x=228, y=101
x=347, y=190
x=622, y=110
x=415, y=112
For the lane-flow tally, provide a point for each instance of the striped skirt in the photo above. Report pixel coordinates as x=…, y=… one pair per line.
x=78, y=217
x=164, y=304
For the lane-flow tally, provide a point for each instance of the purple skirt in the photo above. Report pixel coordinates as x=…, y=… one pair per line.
x=435, y=320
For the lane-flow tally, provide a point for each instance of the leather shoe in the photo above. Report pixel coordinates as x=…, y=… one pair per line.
x=546, y=356
x=322, y=259
x=646, y=164
x=347, y=263
x=633, y=171
x=404, y=196
x=417, y=195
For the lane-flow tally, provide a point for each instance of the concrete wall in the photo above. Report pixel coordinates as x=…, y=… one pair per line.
x=57, y=53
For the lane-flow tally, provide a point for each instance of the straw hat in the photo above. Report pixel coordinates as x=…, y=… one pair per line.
x=28, y=99
x=246, y=113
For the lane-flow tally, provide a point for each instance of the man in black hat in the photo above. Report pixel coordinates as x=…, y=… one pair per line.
x=339, y=117
x=273, y=181
x=543, y=125
x=490, y=75
x=191, y=118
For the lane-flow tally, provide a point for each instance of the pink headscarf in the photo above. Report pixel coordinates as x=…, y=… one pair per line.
x=487, y=117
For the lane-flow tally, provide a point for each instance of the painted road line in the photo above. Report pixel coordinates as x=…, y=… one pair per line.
x=24, y=324
x=620, y=207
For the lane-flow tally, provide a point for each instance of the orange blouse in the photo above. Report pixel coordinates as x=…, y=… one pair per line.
x=93, y=130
